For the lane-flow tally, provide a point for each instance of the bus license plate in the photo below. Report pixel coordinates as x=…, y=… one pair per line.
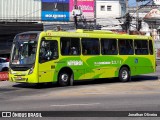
x=19, y=78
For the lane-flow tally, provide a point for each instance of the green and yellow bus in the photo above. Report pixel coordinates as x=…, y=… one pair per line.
x=67, y=56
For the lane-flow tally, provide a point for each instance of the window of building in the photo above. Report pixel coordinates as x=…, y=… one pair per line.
x=102, y=8
x=90, y=46
x=141, y=47
x=70, y=46
x=125, y=47
x=109, y=8
x=109, y=47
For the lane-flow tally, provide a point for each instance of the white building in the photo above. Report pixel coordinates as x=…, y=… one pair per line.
x=150, y=16
x=108, y=10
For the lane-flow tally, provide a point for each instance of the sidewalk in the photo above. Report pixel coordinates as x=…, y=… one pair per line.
x=158, y=62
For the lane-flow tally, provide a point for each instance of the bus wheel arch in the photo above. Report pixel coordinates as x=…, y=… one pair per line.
x=124, y=74
x=65, y=76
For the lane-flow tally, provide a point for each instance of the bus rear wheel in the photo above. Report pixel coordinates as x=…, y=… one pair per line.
x=124, y=74
x=64, y=79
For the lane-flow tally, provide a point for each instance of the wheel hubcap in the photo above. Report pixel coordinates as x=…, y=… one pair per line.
x=64, y=77
x=124, y=74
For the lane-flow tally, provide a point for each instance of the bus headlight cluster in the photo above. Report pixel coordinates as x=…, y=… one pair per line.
x=11, y=71
x=31, y=70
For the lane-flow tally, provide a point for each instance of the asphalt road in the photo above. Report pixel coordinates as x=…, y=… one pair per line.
x=141, y=94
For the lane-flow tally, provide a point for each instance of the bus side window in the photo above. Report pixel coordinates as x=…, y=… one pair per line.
x=125, y=47
x=70, y=46
x=141, y=47
x=90, y=46
x=109, y=47
x=121, y=46
x=48, y=50
x=84, y=52
x=66, y=49
x=74, y=51
x=150, y=47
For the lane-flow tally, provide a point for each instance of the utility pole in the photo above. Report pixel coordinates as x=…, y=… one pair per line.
x=137, y=14
x=95, y=15
x=126, y=6
x=127, y=18
x=128, y=22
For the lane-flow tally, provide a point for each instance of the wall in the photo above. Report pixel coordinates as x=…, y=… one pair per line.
x=47, y=10
x=62, y=10
x=20, y=9
x=108, y=17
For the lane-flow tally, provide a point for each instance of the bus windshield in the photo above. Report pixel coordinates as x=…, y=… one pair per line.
x=23, y=51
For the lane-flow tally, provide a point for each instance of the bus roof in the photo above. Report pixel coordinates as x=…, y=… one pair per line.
x=29, y=32
x=93, y=33
x=88, y=33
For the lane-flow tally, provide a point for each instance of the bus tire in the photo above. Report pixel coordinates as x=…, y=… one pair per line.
x=124, y=74
x=71, y=80
x=64, y=79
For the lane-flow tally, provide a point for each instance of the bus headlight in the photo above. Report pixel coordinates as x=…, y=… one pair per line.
x=10, y=71
x=31, y=70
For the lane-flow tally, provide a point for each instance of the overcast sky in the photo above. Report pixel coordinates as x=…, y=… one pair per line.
x=133, y=2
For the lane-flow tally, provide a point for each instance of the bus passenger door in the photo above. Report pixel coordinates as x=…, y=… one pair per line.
x=48, y=53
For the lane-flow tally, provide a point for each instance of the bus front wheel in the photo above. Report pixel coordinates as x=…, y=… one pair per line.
x=64, y=79
x=124, y=74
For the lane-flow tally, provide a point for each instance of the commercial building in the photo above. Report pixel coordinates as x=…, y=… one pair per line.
x=23, y=15
x=17, y=16
x=20, y=10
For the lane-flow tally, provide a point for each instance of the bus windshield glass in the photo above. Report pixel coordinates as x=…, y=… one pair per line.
x=24, y=49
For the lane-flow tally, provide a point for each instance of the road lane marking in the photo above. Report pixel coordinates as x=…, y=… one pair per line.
x=66, y=105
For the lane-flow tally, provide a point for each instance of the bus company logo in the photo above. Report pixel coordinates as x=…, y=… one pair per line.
x=75, y=63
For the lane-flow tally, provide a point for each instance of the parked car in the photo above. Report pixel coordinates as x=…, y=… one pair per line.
x=4, y=64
